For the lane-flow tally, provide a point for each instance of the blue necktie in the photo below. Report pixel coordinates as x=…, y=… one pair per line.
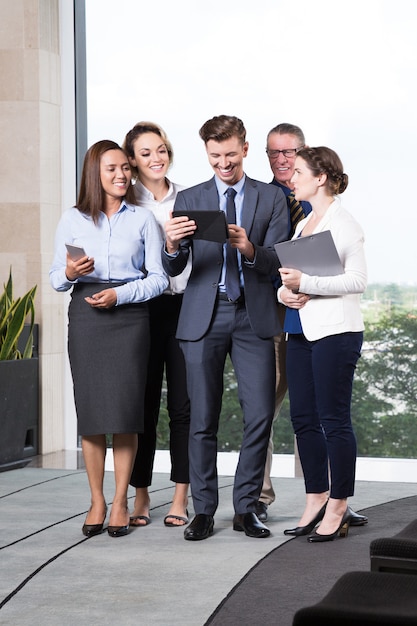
x=232, y=268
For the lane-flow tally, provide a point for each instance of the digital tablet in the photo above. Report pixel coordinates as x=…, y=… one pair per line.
x=211, y=225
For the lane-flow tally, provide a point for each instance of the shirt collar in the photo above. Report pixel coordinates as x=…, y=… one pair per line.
x=143, y=193
x=284, y=188
x=222, y=187
x=125, y=205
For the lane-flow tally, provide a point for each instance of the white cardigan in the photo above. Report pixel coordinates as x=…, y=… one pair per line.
x=334, y=305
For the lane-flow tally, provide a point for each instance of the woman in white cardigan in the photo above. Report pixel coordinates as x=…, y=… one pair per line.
x=325, y=334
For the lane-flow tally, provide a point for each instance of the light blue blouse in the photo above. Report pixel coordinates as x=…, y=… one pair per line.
x=126, y=248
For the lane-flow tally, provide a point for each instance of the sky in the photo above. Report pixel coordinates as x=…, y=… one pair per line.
x=345, y=72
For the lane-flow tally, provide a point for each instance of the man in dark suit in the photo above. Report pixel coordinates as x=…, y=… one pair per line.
x=217, y=320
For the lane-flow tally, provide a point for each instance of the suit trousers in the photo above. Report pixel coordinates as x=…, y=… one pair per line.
x=165, y=353
x=320, y=378
x=253, y=361
x=267, y=492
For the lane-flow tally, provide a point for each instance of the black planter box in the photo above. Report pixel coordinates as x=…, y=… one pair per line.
x=19, y=411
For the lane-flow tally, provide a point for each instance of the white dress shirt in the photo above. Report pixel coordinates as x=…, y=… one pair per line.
x=161, y=210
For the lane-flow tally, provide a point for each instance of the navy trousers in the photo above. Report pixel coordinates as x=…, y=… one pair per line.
x=320, y=377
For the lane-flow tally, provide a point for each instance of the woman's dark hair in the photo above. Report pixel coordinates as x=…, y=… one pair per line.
x=91, y=195
x=324, y=160
x=223, y=127
x=140, y=129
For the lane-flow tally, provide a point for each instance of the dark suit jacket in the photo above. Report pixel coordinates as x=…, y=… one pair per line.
x=265, y=219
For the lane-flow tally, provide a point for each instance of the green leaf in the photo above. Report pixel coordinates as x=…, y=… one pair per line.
x=13, y=314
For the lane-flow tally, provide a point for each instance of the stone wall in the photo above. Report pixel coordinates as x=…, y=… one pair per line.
x=31, y=183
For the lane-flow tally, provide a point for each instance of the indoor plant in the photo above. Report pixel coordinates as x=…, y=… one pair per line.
x=19, y=375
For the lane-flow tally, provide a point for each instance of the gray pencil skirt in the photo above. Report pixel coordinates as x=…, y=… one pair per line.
x=108, y=352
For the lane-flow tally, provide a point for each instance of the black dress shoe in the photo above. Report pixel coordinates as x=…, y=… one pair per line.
x=262, y=511
x=356, y=519
x=200, y=528
x=299, y=531
x=250, y=525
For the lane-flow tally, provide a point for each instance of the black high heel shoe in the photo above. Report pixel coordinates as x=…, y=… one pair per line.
x=298, y=531
x=342, y=530
x=89, y=530
x=118, y=531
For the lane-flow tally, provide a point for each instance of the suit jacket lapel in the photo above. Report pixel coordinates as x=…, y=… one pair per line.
x=250, y=203
x=212, y=201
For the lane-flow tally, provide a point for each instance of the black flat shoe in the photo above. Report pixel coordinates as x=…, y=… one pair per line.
x=250, y=525
x=342, y=531
x=118, y=531
x=89, y=530
x=298, y=531
x=356, y=519
x=200, y=528
x=262, y=511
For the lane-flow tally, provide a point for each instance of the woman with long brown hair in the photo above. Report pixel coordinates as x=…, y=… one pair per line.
x=117, y=271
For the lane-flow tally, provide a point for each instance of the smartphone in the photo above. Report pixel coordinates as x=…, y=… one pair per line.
x=75, y=252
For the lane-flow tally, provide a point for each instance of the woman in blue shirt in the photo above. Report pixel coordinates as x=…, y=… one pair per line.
x=117, y=272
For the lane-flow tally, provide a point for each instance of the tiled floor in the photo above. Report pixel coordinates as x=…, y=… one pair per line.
x=50, y=574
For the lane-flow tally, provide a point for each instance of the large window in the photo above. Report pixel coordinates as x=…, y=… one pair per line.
x=345, y=74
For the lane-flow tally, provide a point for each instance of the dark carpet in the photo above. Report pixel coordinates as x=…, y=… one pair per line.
x=298, y=574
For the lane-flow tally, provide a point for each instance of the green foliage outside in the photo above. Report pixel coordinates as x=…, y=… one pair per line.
x=384, y=408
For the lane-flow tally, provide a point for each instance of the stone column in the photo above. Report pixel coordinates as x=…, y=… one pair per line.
x=31, y=190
